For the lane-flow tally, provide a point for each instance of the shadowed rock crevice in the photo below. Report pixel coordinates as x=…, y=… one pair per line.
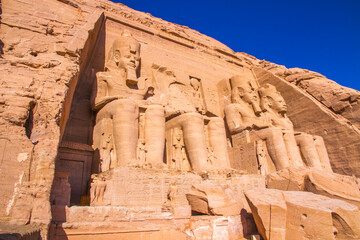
x=342, y=230
x=29, y=123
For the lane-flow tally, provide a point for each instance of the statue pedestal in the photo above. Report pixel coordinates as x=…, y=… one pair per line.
x=140, y=202
x=139, y=187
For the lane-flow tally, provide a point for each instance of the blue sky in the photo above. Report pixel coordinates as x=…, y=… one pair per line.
x=319, y=35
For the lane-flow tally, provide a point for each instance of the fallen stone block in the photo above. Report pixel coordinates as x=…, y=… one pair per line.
x=213, y=199
x=316, y=181
x=302, y=215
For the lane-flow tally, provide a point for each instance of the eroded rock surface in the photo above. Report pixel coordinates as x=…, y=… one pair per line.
x=212, y=199
x=118, y=113
x=328, y=184
x=341, y=100
x=302, y=215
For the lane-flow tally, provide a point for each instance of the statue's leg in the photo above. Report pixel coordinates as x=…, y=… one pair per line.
x=275, y=145
x=194, y=139
x=103, y=132
x=322, y=152
x=308, y=150
x=292, y=149
x=124, y=114
x=155, y=134
x=217, y=140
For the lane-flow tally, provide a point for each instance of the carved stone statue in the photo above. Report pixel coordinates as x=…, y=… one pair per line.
x=312, y=148
x=197, y=98
x=178, y=154
x=274, y=108
x=183, y=111
x=261, y=156
x=218, y=144
x=244, y=114
x=211, y=156
x=106, y=148
x=192, y=127
x=119, y=91
x=141, y=152
x=172, y=193
x=97, y=190
x=122, y=95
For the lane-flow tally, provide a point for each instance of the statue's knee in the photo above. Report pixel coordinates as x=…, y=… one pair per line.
x=276, y=133
x=304, y=138
x=155, y=111
x=121, y=106
x=193, y=117
x=318, y=139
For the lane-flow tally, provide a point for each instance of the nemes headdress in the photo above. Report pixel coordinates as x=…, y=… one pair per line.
x=267, y=90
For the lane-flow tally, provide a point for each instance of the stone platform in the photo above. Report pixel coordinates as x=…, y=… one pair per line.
x=139, y=187
x=135, y=204
x=125, y=223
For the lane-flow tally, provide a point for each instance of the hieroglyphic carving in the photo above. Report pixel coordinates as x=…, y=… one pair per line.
x=244, y=153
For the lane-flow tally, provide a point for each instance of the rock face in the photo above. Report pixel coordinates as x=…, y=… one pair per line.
x=211, y=199
x=339, y=99
x=302, y=215
x=116, y=114
x=332, y=185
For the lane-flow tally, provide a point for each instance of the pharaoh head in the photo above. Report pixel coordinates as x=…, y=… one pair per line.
x=244, y=90
x=125, y=55
x=272, y=99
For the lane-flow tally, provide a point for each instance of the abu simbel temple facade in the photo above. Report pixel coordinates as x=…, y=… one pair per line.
x=119, y=125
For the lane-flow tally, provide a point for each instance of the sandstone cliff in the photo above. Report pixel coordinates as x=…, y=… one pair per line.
x=47, y=47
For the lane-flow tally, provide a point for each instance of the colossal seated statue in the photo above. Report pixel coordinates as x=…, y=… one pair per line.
x=244, y=115
x=312, y=148
x=189, y=132
x=130, y=127
x=196, y=143
x=119, y=92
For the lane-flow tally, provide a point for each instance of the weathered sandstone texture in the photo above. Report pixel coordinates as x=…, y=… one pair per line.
x=302, y=215
x=115, y=124
x=15, y=232
x=211, y=199
x=332, y=185
x=339, y=99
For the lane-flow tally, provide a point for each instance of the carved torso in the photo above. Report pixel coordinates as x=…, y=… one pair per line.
x=241, y=116
x=282, y=122
x=112, y=86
